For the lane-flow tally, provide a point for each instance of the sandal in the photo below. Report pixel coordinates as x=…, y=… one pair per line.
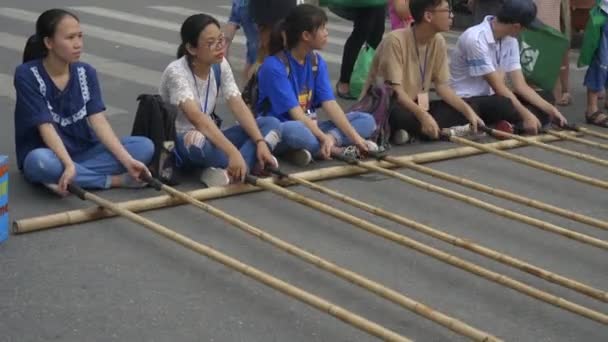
x=597, y=118
x=345, y=96
x=565, y=100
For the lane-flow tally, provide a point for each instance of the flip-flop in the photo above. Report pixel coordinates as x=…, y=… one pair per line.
x=345, y=96
x=592, y=119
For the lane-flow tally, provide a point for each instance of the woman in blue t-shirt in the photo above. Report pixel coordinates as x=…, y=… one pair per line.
x=61, y=132
x=294, y=82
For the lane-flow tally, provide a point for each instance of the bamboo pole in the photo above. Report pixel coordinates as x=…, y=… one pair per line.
x=456, y=241
x=582, y=156
x=355, y=278
x=433, y=252
x=592, y=132
x=578, y=140
x=263, y=277
x=33, y=224
x=533, y=163
x=546, y=226
x=501, y=193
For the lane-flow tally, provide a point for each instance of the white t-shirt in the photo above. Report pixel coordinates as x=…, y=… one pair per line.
x=477, y=53
x=177, y=85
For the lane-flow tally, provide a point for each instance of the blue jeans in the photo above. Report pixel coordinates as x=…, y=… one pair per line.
x=596, y=77
x=208, y=155
x=297, y=136
x=94, y=167
x=239, y=15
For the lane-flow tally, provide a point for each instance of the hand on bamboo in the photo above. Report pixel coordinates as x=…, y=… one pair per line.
x=137, y=170
x=264, y=155
x=237, y=168
x=531, y=124
x=362, y=145
x=429, y=126
x=69, y=172
x=558, y=118
x=475, y=121
x=327, y=144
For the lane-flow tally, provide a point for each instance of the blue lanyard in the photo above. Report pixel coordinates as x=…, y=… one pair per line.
x=498, y=52
x=426, y=56
x=197, y=92
x=295, y=81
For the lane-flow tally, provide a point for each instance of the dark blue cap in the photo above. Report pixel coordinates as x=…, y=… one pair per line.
x=519, y=12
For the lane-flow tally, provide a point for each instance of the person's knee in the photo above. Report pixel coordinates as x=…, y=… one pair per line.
x=364, y=123
x=296, y=135
x=42, y=163
x=268, y=123
x=140, y=148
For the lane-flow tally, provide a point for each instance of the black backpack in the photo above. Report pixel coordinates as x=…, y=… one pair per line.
x=251, y=91
x=156, y=120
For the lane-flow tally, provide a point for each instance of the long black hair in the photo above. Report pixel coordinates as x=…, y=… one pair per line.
x=46, y=26
x=287, y=33
x=191, y=30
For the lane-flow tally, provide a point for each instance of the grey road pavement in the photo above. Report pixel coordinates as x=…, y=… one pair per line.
x=112, y=280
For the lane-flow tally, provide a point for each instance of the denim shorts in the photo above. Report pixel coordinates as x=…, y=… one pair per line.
x=596, y=78
x=239, y=15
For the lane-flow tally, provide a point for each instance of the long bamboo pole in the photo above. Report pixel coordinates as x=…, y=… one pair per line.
x=592, y=132
x=263, y=277
x=500, y=193
x=546, y=226
x=564, y=151
x=433, y=252
x=456, y=241
x=578, y=140
x=370, y=285
x=532, y=163
x=96, y=213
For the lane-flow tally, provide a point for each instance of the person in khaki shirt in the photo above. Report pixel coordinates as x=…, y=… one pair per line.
x=411, y=59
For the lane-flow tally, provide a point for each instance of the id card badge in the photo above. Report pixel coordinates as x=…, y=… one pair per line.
x=423, y=101
x=311, y=115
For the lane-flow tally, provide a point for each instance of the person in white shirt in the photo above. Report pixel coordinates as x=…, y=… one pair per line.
x=193, y=84
x=488, y=53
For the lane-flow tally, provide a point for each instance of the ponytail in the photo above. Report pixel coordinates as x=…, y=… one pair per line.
x=288, y=32
x=278, y=41
x=181, y=50
x=34, y=49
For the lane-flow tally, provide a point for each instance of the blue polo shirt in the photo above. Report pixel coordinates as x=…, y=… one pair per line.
x=39, y=101
x=299, y=88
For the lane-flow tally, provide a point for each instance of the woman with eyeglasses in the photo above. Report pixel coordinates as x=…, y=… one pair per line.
x=193, y=84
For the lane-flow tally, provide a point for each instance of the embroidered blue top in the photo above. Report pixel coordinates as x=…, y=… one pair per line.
x=39, y=101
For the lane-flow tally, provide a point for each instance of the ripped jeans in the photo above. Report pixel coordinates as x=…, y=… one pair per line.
x=194, y=150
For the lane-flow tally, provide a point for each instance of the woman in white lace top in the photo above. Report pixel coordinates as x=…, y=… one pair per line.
x=193, y=84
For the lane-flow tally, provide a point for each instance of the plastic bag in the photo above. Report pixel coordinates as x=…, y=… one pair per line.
x=361, y=69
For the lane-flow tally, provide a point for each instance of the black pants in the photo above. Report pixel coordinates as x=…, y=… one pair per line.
x=491, y=109
x=368, y=26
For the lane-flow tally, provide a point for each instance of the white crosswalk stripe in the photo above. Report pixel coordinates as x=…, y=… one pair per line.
x=120, y=70
x=8, y=91
x=327, y=56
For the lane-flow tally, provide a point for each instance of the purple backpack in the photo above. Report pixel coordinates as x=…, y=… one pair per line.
x=377, y=102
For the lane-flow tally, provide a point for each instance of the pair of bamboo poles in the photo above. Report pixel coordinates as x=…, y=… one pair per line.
x=355, y=320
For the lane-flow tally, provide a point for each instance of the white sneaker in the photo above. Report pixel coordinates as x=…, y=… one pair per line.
x=299, y=157
x=213, y=176
x=400, y=137
x=371, y=146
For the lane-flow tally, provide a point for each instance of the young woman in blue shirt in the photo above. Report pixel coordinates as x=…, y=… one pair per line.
x=61, y=132
x=291, y=90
